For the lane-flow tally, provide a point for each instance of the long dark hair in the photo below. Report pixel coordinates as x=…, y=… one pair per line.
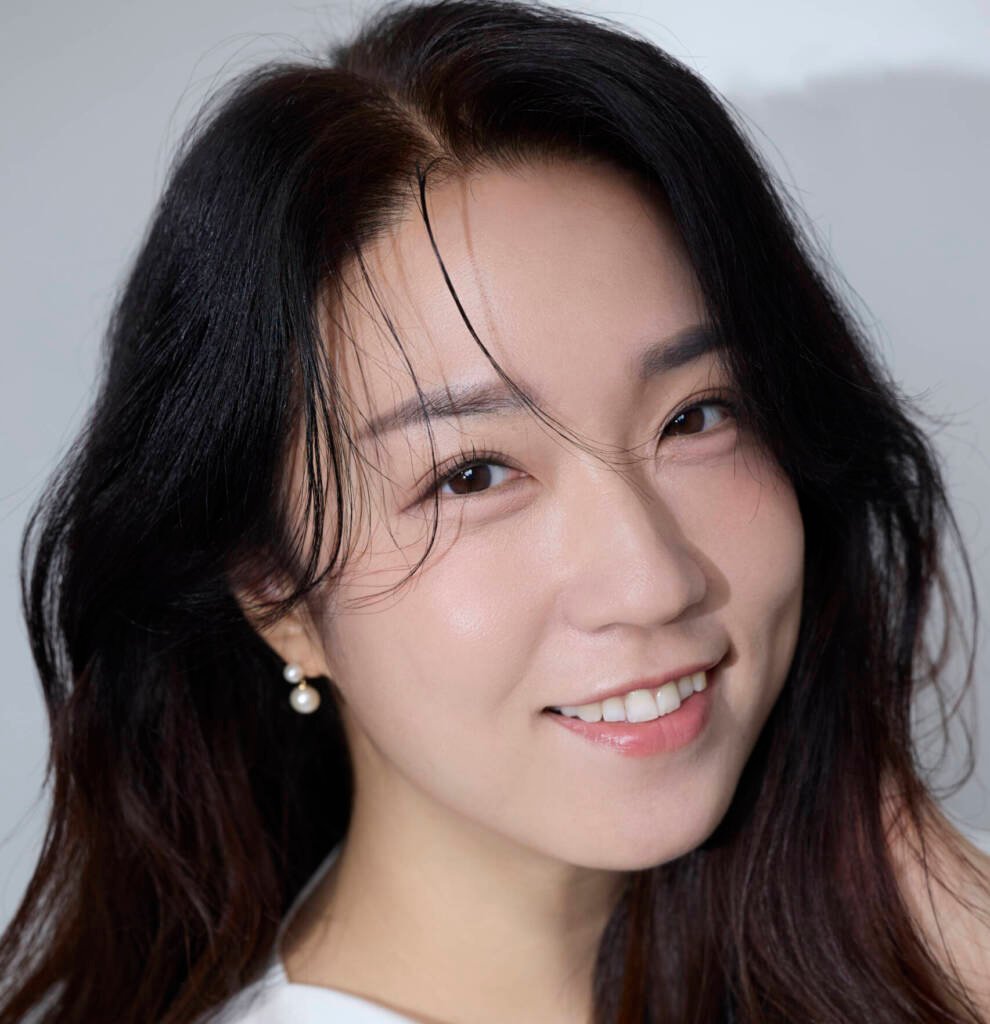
x=190, y=803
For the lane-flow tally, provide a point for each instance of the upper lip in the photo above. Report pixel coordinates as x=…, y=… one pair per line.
x=646, y=683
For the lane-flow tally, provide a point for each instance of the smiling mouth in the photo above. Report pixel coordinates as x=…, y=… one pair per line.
x=638, y=705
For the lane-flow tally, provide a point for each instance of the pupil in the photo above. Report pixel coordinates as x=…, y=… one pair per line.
x=684, y=418
x=472, y=473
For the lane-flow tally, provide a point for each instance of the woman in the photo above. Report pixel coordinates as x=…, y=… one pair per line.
x=490, y=584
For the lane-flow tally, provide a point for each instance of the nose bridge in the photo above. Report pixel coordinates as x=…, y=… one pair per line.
x=626, y=550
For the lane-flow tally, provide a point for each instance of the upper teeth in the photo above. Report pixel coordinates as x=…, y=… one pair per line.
x=639, y=705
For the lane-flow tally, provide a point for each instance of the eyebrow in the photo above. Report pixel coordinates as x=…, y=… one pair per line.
x=488, y=398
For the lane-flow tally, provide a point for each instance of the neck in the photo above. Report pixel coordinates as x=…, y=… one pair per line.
x=444, y=922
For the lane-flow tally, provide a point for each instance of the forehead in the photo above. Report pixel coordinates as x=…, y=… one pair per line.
x=564, y=270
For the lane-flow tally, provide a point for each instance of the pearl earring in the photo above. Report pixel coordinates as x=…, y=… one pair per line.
x=304, y=698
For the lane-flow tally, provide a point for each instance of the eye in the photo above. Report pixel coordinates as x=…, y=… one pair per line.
x=472, y=472
x=692, y=419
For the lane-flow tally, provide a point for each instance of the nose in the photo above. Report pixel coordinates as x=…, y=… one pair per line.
x=626, y=558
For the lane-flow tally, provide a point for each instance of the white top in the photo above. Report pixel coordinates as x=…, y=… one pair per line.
x=273, y=999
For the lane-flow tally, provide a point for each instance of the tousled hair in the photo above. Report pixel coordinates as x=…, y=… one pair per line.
x=190, y=804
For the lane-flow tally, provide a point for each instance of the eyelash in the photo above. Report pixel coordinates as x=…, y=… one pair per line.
x=465, y=460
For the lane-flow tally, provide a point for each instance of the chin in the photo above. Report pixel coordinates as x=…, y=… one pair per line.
x=677, y=830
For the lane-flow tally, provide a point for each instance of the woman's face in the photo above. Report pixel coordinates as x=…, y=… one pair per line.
x=555, y=577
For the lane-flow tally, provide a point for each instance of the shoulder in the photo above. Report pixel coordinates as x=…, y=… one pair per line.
x=254, y=1004
x=274, y=1000
x=946, y=884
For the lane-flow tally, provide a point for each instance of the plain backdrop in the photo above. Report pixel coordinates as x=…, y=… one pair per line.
x=875, y=114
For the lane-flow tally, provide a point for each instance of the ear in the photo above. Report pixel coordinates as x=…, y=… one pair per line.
x=294, y=637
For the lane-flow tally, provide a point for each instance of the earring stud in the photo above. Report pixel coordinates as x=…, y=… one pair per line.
x=304, y=698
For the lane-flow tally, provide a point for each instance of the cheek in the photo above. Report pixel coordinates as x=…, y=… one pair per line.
x=745, y=523
x=741, y=516
x=445, y=650
x=428, y=684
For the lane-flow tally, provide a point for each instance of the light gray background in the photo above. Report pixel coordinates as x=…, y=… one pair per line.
x=874, y=112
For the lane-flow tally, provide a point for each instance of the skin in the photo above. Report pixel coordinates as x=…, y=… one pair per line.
x=947, y=892
x=488, y=845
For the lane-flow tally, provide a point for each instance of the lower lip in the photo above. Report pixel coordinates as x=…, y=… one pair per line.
x=643, y=739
